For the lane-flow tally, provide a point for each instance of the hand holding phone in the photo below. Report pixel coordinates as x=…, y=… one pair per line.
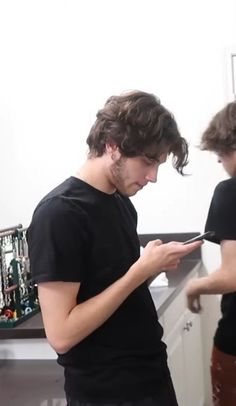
x=200, y=237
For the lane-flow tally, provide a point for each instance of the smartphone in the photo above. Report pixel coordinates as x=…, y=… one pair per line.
x=200, y=237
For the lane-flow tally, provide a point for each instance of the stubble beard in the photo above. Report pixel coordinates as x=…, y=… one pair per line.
x=118, y=175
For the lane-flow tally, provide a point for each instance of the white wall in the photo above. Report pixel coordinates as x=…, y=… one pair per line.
x=60, y=60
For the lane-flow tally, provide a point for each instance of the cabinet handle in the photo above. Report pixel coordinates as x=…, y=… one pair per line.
x=188, y=325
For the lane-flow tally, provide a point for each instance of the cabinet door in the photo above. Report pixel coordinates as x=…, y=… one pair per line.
x=193, y=359
x=175, y=349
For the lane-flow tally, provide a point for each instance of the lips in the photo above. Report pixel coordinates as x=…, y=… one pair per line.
x=142, y=185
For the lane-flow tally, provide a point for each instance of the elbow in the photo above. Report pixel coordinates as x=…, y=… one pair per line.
x=61, y=345
x=59, y=348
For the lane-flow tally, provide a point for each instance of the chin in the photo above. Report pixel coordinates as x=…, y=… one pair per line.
x=127, y=193
x=131, y=194
x=129, y=190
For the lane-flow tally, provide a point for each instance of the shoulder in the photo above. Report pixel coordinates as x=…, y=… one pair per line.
x=57, y=217
x=65, y=199
x=58, y=207
x=228, y=185
x=225, y=192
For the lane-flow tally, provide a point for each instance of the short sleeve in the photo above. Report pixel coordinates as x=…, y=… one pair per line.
x=58, y=242
x=222, y=212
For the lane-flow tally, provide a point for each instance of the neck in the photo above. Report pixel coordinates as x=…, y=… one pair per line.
x=95, y=172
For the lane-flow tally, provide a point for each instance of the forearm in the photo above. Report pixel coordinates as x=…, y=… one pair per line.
x=86, y=317
x=68, y=323
x=219, y=282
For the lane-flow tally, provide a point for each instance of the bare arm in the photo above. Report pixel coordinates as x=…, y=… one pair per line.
x=67, y=323
x=219, y=282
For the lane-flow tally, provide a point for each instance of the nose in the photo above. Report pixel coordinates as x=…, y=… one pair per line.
x=152, y=174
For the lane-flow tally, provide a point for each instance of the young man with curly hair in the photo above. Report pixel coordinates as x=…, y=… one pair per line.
x=84, y=253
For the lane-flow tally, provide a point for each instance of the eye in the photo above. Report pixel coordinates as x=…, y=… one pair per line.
x=150, y=161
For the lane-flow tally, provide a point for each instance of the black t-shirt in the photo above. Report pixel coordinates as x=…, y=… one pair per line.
x=222, y=220
x=80, y=234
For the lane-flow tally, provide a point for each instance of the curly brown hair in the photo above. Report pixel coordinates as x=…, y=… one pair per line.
x=139, y=125
x=220, y=135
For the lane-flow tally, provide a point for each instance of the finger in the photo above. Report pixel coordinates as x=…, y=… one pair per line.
x=158, y=242
x=196, y=305
x=175, y=243
x=173, y=264
x=194, y=245
x=186, y=249
x=199, y=307
x=191, y=303
x=171, y=267
x=154, y=243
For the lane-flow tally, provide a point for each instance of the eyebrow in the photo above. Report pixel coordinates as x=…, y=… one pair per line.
x=152, y=157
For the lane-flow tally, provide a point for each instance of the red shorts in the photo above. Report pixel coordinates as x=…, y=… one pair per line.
x=223, y=377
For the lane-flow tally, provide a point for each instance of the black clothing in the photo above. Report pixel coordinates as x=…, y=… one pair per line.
x=222, y=220
x=80, y=234
x=166, y=397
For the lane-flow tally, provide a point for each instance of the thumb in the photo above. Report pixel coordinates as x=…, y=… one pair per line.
x=158, y=242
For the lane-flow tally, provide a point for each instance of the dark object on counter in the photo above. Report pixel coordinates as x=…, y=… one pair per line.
x=18, y=294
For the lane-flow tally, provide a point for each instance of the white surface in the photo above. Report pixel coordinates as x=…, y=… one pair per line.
x=160, y=280
x=26, y=349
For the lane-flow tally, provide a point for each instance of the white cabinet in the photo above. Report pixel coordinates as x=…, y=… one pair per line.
x=175, y=351
x=193, y=355
x=184, y=346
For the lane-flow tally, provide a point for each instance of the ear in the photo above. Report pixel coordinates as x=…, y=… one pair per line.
x=112, y=150
x=111, y=147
